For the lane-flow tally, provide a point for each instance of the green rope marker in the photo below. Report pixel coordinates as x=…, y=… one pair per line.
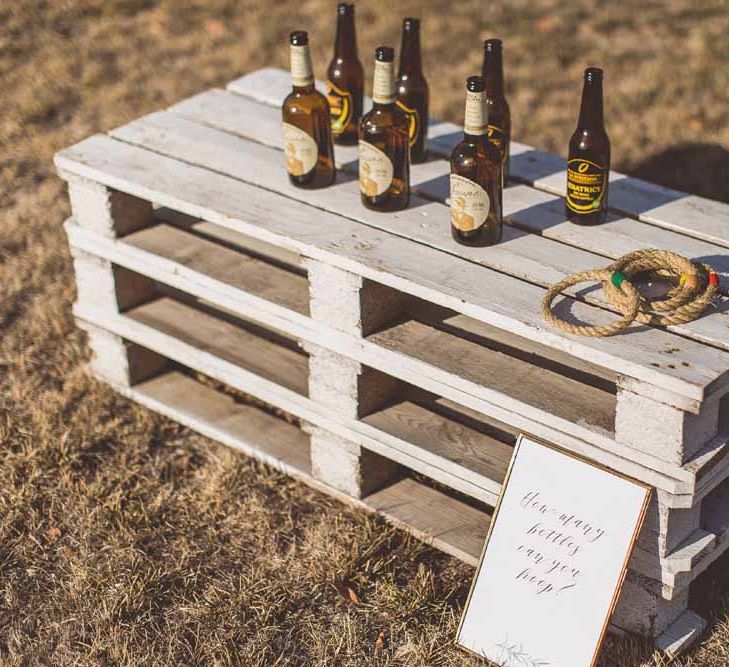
x=617, y=278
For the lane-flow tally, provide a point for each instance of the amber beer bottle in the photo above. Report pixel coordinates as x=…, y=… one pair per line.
x=499, y=112
x=412, y=89
x=588, y=163
x=384, y=152
x=476, y=175
x=307, y=130
x=345, y=79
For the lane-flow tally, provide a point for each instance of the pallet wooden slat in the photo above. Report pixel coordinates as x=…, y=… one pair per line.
x=449, y=524
x=534, y=210
x=181, y=344
x=226, y=340
x=431, y=378
x=507, y=303
x=519, y=254
x=527, y=208
x=690, y=215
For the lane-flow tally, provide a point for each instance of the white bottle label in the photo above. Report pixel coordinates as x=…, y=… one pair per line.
x=375, y=170
x=470, y=204
x=477, y=117
x=300, y=149
x=301, y=70
x=383, y=89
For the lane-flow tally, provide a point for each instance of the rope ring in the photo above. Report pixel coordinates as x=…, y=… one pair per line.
x=629, y=306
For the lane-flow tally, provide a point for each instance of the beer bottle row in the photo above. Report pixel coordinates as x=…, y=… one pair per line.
x=393, y=134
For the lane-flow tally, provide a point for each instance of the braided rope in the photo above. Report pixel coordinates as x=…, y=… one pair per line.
x=693, y=286
x=628, y=306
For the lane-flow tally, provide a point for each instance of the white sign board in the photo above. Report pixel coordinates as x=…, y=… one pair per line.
x=554, y=561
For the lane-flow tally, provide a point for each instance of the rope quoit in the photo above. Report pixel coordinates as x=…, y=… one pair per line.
x=692, y=287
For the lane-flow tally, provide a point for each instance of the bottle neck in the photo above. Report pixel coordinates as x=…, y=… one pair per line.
x=383, y=89
x=410, y=58
x=591, y=112
x=302, y=73
x=493, y=72
x=345, y=44
x=476, y=118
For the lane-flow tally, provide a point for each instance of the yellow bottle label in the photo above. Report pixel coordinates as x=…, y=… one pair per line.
x=586, y=182
x=301, y=70
x=413, y=120
x=341, y=107
x=375, y=170
x=300, y=149
x=470, y=204
x=498, y=138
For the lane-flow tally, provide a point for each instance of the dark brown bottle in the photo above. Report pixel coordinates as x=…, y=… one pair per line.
x=499, y=112
x=476, y=175
x=412, y=89
x=345, y=79
x=588, y=162
x=307, y=131
x=384, y=151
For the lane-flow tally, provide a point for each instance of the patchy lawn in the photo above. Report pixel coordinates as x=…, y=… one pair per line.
x=125, y=539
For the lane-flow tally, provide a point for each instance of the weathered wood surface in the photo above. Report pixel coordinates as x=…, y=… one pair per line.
x=520, y=254
x=435, y=276
x=449, y=524
x=424, y=428
x=227, y=340
x=526, y=207
x=222, y=418
x=690, y=215
x=483, y=399
x=212, y=360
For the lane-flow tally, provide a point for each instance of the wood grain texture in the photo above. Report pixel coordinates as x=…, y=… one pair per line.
x=257, y=277
x=218, y=416
x=531, y=210
x=212, y=362
x=445, y=522
x=519, y=254
x=538, y=387
x=228, y=341
x=477, y=397
x=429, y=430
x=690, y=215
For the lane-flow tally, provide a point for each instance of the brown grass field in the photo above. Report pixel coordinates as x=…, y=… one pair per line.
x=127, y=540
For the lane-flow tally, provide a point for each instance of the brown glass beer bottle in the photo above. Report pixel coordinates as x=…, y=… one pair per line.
x=412, y=89
x=476, y=175
x=384, y=151
x=345, y=79
x=307, y=131
x=499, y=113
x=588, y=162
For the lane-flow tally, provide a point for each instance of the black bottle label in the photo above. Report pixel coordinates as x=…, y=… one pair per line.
x=413, y=120
x=586, y=182
x=341, y=107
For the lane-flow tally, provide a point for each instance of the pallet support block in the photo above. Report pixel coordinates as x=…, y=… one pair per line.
x=643, y=611
x=348, y=303
x=347, y=467
x=665, y=527
x=667, y=432
x=106, y=211
x=119, y=362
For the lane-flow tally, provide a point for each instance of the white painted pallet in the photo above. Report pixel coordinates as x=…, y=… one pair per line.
x=395, y=348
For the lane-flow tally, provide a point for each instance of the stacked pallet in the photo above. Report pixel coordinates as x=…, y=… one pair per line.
x=389, y=365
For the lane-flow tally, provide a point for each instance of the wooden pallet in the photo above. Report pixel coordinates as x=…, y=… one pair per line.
x=403, y=356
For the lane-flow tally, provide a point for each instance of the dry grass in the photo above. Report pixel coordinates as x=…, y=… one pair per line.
x=125, y=539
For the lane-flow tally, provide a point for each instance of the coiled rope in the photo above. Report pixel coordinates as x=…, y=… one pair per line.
x=692, y=288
